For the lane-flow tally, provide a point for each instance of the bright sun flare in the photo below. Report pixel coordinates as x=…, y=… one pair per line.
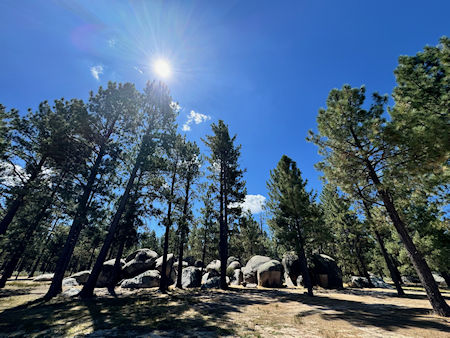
x=162, y=68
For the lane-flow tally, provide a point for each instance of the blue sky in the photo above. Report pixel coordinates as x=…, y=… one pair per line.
x=264, y=67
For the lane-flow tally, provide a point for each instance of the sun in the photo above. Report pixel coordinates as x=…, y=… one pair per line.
x=162, y=68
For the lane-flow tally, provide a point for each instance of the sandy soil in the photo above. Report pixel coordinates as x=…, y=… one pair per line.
x=237, y=312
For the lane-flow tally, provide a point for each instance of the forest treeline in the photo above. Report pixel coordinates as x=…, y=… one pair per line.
x=82, y=180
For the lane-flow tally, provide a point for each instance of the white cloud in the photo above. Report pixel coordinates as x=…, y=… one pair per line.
x=12, y=176
x=254, y=203
x=196, y=118
x=139, y=70
x=96, y=71
x=112, y=43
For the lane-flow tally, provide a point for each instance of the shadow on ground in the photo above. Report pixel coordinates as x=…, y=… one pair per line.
x=187, y=312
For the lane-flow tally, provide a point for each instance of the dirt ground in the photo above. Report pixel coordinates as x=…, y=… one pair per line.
x=238, y=312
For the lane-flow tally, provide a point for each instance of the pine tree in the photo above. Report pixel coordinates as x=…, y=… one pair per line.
x=351, y=140
x=230, y=187
x=292, y=209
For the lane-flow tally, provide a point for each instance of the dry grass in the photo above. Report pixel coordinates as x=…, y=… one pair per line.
x=237, y=312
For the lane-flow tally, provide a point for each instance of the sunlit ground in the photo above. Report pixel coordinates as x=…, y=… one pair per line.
x=237, y=312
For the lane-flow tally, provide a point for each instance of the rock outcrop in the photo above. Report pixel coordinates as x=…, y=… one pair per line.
x=138, y=262
x=170, y=261
x=81, y=277
x=191, y=277
x=214, y=265
x=269, y=274
x=46, y=277
x=325, y=272
x=148, y=279
x=250, y=269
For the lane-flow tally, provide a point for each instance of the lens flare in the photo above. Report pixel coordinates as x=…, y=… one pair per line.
x=162, y=68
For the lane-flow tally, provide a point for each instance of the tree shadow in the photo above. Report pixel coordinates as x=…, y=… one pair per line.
x=195, y=312
x=386, y=316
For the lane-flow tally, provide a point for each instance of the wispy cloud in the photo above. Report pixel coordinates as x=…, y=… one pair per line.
x=96, y=71
x=112, y=43
x=195, y=118
x=253, y=203
x=139, y=70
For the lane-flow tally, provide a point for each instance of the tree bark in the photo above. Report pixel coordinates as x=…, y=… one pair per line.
x=88, y=288
x=75, y=229
x=389, y=264
x=116, y=269
x=183, y=234
x=303, y=262
x=223, y=240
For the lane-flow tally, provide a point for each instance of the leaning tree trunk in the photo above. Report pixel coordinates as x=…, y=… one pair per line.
x=183, y=234
x=362, y=261
x=75, y=229
x=88, y=288
x=19, y=200
x=116, y=269
x=438, y=303
x=390, y=265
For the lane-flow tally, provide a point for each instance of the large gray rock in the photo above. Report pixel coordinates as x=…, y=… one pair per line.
x=81, y=277
x=325, y=272
x=358, y=282
x=144, y=251
x=214, y=265
x=209, y=275
x=213, y=283
x=170, y=261
x=269, y=274
x=378, y=282
x=148, y=279
x=439, y=279
x=107, y=272
x=234, y=265
x=191, y=277
x=72, y=292
x=292, y=270
x=46, y=277
x=142, y=260
x=237, y=277
x=250, y=269
x=232, y=259
x=69, y=281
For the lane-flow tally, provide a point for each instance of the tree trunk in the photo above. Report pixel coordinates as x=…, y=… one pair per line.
x=223, y=241
x=88, y=288
x=390, y=265
x=117, y=267
x=183, y=233
x=204, y=248
x=438, y=303
x=303, y=262
x=163, y=284
x=19, y=200
x=362, y=261
x=75, y=229
x=304, y=269
x=20, y=250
